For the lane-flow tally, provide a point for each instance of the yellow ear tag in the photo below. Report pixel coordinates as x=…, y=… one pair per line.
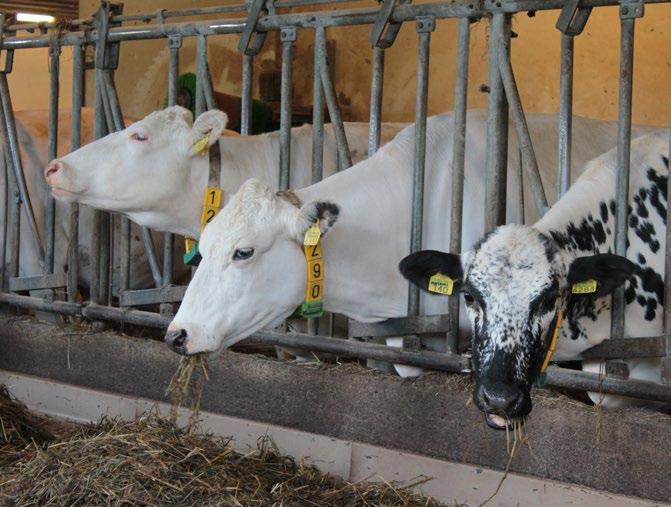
x=586, y=287
x=201, y=145
x=312, y=235
x=441, y=284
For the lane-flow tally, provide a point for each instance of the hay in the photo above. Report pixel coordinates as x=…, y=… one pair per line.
x=152, y=462
x=182, y=389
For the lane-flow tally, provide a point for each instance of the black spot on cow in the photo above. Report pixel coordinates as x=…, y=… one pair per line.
x=646, y=231
x=604, y=211
x=665, y=161
x=641, y=259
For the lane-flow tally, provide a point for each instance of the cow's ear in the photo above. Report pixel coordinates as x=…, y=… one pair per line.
x=598, y=275
x=433, y=271
x=206, y=130
x=323, y=213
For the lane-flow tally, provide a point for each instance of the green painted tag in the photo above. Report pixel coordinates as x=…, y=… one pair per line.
x=441, y=284
x=192, y=257
x=311, y=309
x=586, y=287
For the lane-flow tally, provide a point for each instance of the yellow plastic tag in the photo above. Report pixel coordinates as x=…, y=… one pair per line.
x=312, y=235
x=189, y=244
x=314, y=291
x=441, y=284
x=201, y=145
x=213, y=197
x=586, y=287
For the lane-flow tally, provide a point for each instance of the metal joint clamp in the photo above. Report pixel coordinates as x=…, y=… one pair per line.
x=246, y=46
x=573, y=18
x=384, y=30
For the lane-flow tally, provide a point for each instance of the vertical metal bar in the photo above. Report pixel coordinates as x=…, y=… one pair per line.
x=99, y=129
x=75, y=143
x=623, y=158
x=424, y=28
x=246, y=105
x=4, y=275
x=201, y=56
x=52, y=144
x=15, y=217
x=458, y=162
x=376, y=89
x=565, y=113
x=497, y=127
x=666, y=362
x=288, y=37
x=318, y=109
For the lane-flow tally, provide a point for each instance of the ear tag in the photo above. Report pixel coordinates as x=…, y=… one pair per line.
x=312, y=235
x=586, y=287
x=201, y=145
x=441, y=284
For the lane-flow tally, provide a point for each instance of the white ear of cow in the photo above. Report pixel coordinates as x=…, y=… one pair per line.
x=210, y=124
x=325, y=211
x=182, y=113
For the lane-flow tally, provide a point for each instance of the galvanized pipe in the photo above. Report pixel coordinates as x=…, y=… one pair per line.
x=318, y=109
x=623, y=158
x=376, y=90
x=288, y=37
x=523, y=137
x=4, y=275
x=14, y=217
x=497, y=126
x=565, y=113
x=246, y=105
x=666, y=362
x=52, y=144
x=201, y=62
x=458, y=163
x=99, y=130
x=424, y=28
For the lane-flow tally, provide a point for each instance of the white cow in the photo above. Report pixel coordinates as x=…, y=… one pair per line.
x=32, y=138
x=253, y=270
x=520, y=280
x=150, y=173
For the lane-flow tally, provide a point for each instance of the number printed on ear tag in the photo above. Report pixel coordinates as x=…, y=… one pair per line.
x=201, y=145
x=441, y=284
x=586, y=287
x=312, y=235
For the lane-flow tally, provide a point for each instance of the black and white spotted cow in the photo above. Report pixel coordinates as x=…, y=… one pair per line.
x=518, y=279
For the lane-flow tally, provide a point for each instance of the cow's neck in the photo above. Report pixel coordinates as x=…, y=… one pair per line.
x=241, y=158
x=362, y=250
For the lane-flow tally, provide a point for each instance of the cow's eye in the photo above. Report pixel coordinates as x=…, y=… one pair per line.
x=468, y=298
x=243, y=253
x=138, y=136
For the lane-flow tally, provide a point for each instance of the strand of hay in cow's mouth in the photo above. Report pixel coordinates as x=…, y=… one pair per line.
x=181, y=388
x=152, y=462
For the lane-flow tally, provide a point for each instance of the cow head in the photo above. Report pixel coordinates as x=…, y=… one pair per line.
x=253, y=270
x=142, y=171
x=514, y=283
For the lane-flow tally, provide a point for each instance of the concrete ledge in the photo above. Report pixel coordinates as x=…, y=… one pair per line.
x=625, y=452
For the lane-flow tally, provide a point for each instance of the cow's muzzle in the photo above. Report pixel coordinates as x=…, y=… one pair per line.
x=508, y=401
x=176, y=340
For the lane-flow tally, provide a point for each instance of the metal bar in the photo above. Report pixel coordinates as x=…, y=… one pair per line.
x=523, y=136
x=376, y=90
x=14, y=241
x=168, y=294
x=125, y=256
x=497, y=127
x=14, y=153
x=623, y=158
x=46, y=281
x=565, y=113
x=99, y=130
x=419, y=324
x=666, y=362
x=125, y=316
x=52, y=144
x=4, y=275
x=201, y=57
x=424, y=28
x=41, y=305
x=75, y=143
x=246, y=105
x=654, y=346
x=153, y=261
x=288, y=37
x=318, y=109
x=458, y=163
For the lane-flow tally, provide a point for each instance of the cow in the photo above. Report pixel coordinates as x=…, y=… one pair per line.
x=253, y=272
x=149, y=172
x=519, y=281
x=32, y=138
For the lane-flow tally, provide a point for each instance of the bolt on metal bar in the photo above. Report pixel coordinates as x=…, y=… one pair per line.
x=523, y=137
x=246, y=101
x=424, y=27
x=623, y=158
x=497, y=127
x=287, y=37
x=458, y=163
x=52, y=144
x=15, y=157
x=565, y=113
x=376, y=90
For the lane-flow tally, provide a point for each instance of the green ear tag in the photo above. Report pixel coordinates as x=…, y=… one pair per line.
x=541, y=380
x=441, y=284
x=585, y=287
x=192, y=257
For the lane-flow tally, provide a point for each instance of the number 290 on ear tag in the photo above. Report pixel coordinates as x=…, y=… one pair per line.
x=312, y=235
x=441, y=284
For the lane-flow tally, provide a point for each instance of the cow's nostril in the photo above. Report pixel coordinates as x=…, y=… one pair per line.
x=176, y=338
x=181, y=338
x=53, y=167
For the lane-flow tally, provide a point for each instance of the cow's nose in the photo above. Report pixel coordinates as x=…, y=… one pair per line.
x=501, y=399
x=53, y=168
x=176, y=340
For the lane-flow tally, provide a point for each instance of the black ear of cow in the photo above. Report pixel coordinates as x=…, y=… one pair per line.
x=609, y=270
x=420, y=266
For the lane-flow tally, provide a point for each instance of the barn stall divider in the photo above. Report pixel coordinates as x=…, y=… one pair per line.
x=255, y=19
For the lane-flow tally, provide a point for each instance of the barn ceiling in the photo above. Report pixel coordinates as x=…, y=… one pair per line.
x=62, y=9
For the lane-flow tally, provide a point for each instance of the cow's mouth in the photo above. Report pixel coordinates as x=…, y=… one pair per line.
x=498, y=422
x=61, y=193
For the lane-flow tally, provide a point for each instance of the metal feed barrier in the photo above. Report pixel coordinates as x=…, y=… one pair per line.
x=106, y=30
